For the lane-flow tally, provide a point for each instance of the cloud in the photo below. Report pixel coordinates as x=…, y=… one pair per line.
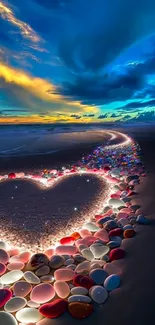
x=115, y=115
x=88, y=115
x=137, y=105
x=77, y=117
x=103, y=116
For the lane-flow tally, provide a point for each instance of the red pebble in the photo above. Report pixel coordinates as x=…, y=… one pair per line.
x=83, y=281
x=2, y=268
x=54, y=309
x=115, y=196
x=116, y=254
x=98, y=216
x=5, y=295
x=67, y=240
x=12, y=175
x=106, y=169
x=115, y=232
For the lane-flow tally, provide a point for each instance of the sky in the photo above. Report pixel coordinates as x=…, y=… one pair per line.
x=77, y=61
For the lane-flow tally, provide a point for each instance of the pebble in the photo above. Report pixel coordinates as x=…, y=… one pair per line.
x=84, y=233
x=56, y=261
x=98, y=294
x=142, y=220
x=27, y=315
x=112, y=282
x=66, y=249
x=116, y=254
x=112, y=268
x=128, y=233
x=83, y=281
x=98, y=275
x=33, y=304
x=80, y=298
x=109, y=225
x=116, y=232
x=47, y=278
x=4, y=256
x=7, y=319
x=42, y=293
x=99, y=251
x=2, y=268
x=87, y=254
x=90, y=226
x=31, y=277
x=3, y=245
x=15, y=304
x=83, y=267
x=49, y=252
x=22, y=288
x=15, y=266
x=24, y=257
x=68, y=240
x=36, y=261
x=102, y=235
x=79, y=291
x=11, y=277
x=54, y=309
x=115, y=203
x=113, y=244
x=64, y=274
x=78, y=258
x=5, y=295
x=62, y=289
x=69, y=261
x=43, y=270
x=80, y=310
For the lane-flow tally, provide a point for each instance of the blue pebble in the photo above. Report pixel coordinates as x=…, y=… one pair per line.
x=112, y=282
x=142, y=220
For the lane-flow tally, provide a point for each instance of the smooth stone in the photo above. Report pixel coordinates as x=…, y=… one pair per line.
x=33, y=304
x=122, y=215
x=123, y=221
x=83, y=267
x=105, y=258
x=68, y=240
x=78, y=258
x=112, y=282
x=84, y=233
x=3, y=245
x=45, y=321
x=54, y=309
x=7, y=319
x=117, y=239
x=134, y=207
x=27, y=315
x=66, y=257
x=99, y=251
x=128, y=233
x=104, y=220
x=56, y=261
x=42, y=293
x=64, y=274
x=115, y=203
x=87, y=254
x=79, y=291
x=111, y=268
x=116, y=254
x=95, y=266
x=90, y=226
x=71, y=266
x=100, y=262
x=113, y=244
x=62, y=289
x=11, y=277
x=5, y=295
x=142, y=220
x=43, y=270
x=81, y=246
x=106, y=208
x=15, y=304
x=22, y=288
x=109, y=225
x=15, y=266
x=80, y=310
x=49, y=252
x=98, y=275
x=128, y=227
x=36, y=261
x=80, y=298
x=47, y=278
x=83, y=281
x=66, y=249
x=24, y=257
x=30, y=277
x=87, y=241
x=98, y=294
x=4, y=256
x=102, y=235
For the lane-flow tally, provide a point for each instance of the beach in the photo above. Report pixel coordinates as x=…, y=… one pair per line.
x=133, y=302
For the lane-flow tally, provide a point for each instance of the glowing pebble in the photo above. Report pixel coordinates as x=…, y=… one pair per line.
x=33, y=304
x=42, y=293
x=15, y=266
x=13, y=251
x=75, y=235
x=122, y=215
x=99, y=250
x=87, y=254
x=83, y=267
x=3, y=245
x=15, y=304
x=112, y=282
x=37, y=260
x=98, y=275
x=54, y=309
x=66, y=249
x=79, y=291
x=80, y=298
x=90, y=226
x=116, y=203
x=84, y=232
x=7, y=319
x=4, y=256
x=98, y=294
x=62, y=289
x=24, y=257
x=27, y=315
x=56, y=261
x=31, y=277
x=49, y=252
x=47, y=278
x=11, y=277
x=64, y=274
x=2, y=268
x=102, y=235
x=67, y=240
x=22, y=288
x=43, y=270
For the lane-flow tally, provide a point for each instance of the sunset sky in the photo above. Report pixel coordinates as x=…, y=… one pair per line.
x=77, y=61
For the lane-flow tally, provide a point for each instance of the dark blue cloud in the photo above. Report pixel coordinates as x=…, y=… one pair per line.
x=103, y=116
